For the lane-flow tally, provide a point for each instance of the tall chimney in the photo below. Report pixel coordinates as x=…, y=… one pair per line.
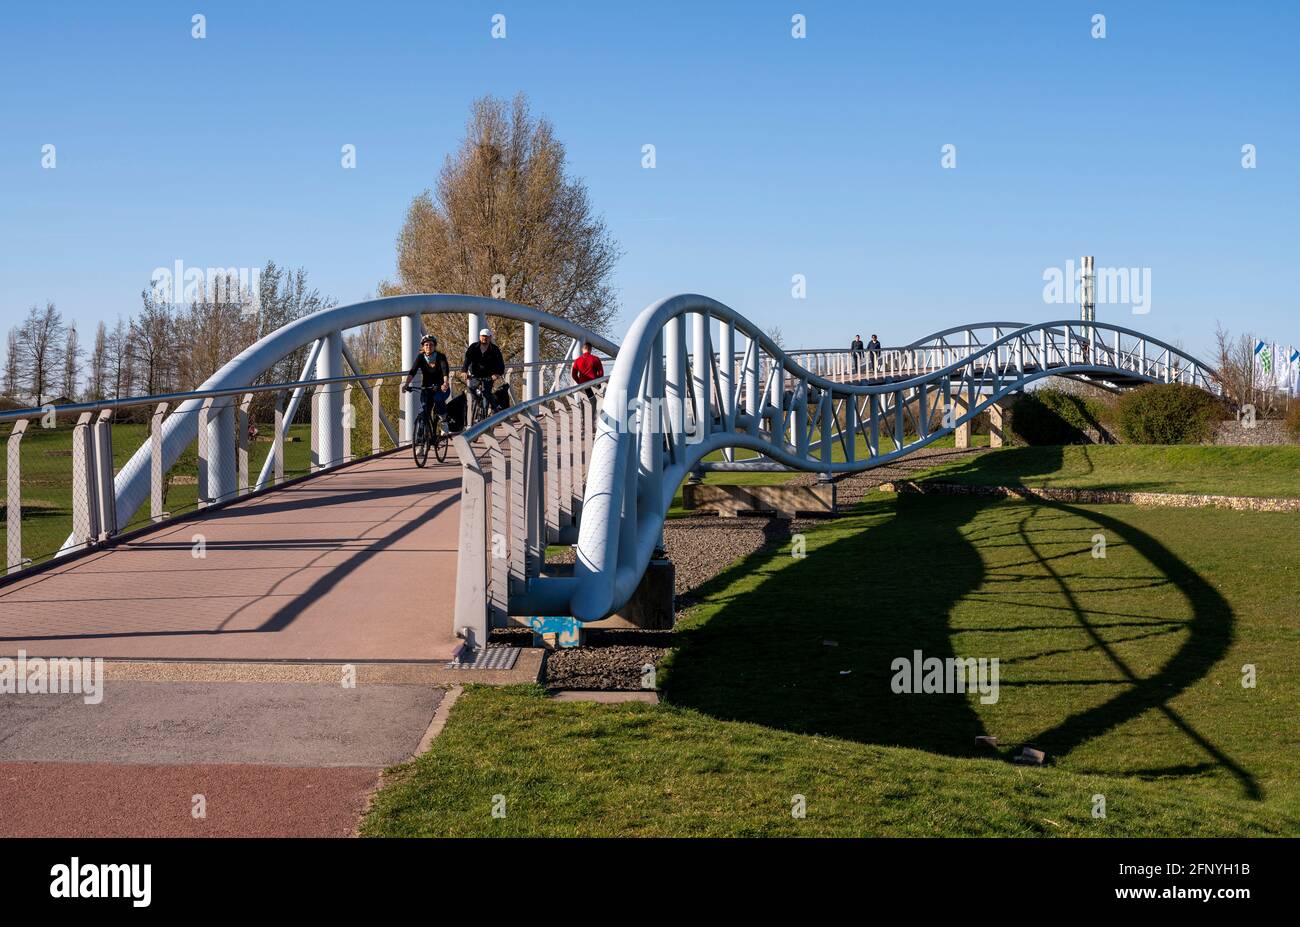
x=1087, y=291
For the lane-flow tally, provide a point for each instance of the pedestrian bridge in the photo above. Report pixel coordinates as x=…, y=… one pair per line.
x=363, y=556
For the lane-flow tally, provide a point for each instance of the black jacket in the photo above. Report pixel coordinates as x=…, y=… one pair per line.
x=482, y=364
x=435, y=370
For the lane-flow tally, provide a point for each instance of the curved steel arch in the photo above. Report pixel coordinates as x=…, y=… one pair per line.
x=940, y=339
x=131, y=485
x=640, y=452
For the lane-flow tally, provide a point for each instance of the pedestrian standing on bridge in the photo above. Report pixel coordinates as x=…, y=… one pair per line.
x=873, y=355
x=588, y=366
x=856, y=350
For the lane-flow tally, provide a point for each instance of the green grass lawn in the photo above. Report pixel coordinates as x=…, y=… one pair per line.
x=1126, y=669
x=1232, y=471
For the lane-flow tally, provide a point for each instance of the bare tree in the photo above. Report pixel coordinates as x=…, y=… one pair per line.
x=119, y=372
x=13, y=366
x=213, y=329
x=71, y=363
x=284, y=295
x=39, y=344
x=1237, y=374
x=152, y=345
x=506, y=221
x=98, y=365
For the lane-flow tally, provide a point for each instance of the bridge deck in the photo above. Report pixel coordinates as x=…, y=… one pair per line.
x=359, y=564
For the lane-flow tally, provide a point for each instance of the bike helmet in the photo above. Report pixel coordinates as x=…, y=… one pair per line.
x=429, y=339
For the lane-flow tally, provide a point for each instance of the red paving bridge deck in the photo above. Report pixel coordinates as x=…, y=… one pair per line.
x=358, y=564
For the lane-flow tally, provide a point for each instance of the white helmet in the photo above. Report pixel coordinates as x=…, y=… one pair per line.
x=485, y=331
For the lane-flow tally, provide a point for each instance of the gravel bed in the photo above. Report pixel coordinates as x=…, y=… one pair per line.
x=701, y=547
x=616, y=667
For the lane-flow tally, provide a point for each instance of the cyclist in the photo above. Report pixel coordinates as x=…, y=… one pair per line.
x=484, y=366
x=435, y=382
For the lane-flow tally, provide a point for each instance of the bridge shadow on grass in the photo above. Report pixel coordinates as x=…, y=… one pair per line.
x=807, y=645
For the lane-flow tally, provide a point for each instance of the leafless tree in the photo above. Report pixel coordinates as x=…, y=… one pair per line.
x=71, y=364
x=120, y=372
x=1235, y=359
x=13, y=366
x=152, y=345
x=98, y=365
x=39, y=344
x=505, y=221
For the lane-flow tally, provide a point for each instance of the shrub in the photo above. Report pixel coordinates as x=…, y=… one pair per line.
x=1168, y=413
x=1293, y=420
x=1052, y=416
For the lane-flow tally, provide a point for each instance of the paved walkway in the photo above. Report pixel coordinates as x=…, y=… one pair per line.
x=352, y=566
x=268, y=759
x=359, y=564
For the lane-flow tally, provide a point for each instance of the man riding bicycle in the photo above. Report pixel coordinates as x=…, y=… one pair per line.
x=484, y=366
x=435, y=382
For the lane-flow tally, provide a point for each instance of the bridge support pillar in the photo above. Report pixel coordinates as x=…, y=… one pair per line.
x=530, y=358
x=961, y=434
x=997, y=421
x=408, y=403
x=329, y=363
x=651, y=606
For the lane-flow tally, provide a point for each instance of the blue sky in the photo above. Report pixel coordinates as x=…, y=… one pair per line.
x=775, y=156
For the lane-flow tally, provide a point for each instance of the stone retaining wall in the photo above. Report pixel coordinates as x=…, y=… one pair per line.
x=1099, y=496
x=1270, y=432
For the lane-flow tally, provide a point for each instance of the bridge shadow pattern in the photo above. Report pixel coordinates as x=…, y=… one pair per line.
x=785, y=647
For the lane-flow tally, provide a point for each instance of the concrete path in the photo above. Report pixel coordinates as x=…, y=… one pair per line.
x=358, y=564
x=268, y=759
x=219, y=681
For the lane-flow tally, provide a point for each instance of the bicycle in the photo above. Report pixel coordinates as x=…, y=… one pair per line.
x=480, y=407
x=430, y=431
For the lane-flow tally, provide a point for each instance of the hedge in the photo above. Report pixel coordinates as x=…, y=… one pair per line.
x=1052, y=416
x=1168, y=413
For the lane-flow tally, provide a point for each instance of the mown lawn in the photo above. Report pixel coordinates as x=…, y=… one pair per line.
x=1231, y=471
x=1126, y=669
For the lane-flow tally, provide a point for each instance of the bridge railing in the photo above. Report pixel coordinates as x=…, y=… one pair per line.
x=60, y=462
x=666, y=412
x=523, y=475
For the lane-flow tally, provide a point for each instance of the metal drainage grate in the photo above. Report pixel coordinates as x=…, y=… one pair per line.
x=492, y=657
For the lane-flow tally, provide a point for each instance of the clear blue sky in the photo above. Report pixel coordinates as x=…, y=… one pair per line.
x=776, y=156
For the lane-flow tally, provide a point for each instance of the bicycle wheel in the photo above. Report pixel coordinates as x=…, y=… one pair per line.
x=440, y=439
x=420, y=442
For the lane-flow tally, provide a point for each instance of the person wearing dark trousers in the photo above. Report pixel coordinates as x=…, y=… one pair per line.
x=483, y=362
x=435, y=376
x=873, y=354
x=856, y=349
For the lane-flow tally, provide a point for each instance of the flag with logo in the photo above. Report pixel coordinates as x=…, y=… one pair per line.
x=1263, y=364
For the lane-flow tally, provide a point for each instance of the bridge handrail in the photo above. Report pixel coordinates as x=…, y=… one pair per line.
x=636, y=467
x=535, y=487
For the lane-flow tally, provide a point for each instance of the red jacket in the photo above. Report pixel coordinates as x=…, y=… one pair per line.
x=587, y=367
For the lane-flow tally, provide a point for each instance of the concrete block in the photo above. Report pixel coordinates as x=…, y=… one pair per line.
x=651, y=606
x=785, y=501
